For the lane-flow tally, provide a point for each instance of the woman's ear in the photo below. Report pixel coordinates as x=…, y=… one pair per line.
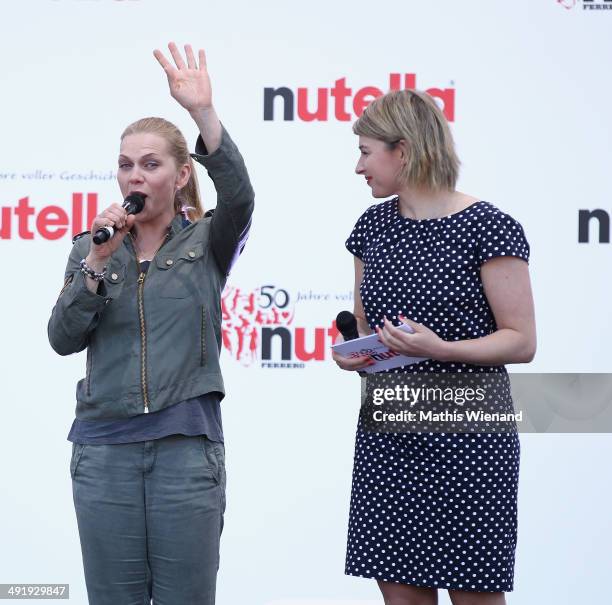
x=403, y=147
x=183, y=176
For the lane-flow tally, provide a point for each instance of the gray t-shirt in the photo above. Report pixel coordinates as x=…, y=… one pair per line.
x=198, y=416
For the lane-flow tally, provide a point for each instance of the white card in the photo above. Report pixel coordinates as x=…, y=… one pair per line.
x=377, y=351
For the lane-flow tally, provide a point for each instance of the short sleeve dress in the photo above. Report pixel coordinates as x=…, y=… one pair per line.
x=434, y=509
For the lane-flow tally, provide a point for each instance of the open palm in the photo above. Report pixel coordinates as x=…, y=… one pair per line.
x=189, y=83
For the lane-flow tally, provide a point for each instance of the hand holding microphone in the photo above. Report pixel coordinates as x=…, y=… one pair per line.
x=132, y=204
x=110, y=227
x=347, y=325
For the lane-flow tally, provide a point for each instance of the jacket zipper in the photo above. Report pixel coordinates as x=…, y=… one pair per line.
x=143, y=343
x=143, y=331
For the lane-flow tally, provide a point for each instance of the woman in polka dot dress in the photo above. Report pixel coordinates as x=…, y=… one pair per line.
x=434, y=510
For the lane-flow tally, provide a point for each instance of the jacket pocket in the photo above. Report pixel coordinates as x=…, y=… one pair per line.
x=170, y=261
x=178, y=268
x=203, y=336
x=88, y=370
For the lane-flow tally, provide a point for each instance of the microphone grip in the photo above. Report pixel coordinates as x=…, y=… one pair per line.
x=350, y=333
x=103, y=235
x=347, y=325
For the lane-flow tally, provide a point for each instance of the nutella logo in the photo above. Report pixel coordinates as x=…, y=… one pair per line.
x=341, y=102
x=23, y=221
x=258, y=327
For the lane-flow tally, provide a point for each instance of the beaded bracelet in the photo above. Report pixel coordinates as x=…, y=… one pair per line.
x=89, y=272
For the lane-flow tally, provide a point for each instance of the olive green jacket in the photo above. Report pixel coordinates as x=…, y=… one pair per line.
x=153, y=339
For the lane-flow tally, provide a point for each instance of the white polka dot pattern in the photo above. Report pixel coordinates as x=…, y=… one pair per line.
x=434, y=509
x=429, y=270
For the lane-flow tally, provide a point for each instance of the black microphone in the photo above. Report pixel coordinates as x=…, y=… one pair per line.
x=133, y=203
x=347, y=325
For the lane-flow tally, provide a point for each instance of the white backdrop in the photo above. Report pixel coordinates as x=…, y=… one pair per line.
x=531, y=85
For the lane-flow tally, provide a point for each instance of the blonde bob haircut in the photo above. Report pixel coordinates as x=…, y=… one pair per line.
x=413, y=116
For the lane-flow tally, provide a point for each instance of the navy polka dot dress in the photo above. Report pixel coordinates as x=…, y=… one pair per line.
x=434, y=509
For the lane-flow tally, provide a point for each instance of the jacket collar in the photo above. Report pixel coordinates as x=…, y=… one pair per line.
x=179, y=222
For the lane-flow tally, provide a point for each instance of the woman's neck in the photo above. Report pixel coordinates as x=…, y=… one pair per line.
x=422, y=204
x=150, y=236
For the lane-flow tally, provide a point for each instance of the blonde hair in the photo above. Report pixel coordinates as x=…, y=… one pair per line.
x=187, y=199
x=416, y=118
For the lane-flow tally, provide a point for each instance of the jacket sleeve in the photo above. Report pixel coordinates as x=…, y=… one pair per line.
x=77, y=310
x=231, y=219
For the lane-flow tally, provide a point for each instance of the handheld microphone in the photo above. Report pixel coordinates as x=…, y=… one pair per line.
x=133, y=203
x=347, y=325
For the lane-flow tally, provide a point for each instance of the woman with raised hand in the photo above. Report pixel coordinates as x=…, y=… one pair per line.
x=434, y=510
x=148, y=458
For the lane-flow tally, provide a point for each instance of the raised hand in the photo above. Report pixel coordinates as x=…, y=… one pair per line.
x=189, y=83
